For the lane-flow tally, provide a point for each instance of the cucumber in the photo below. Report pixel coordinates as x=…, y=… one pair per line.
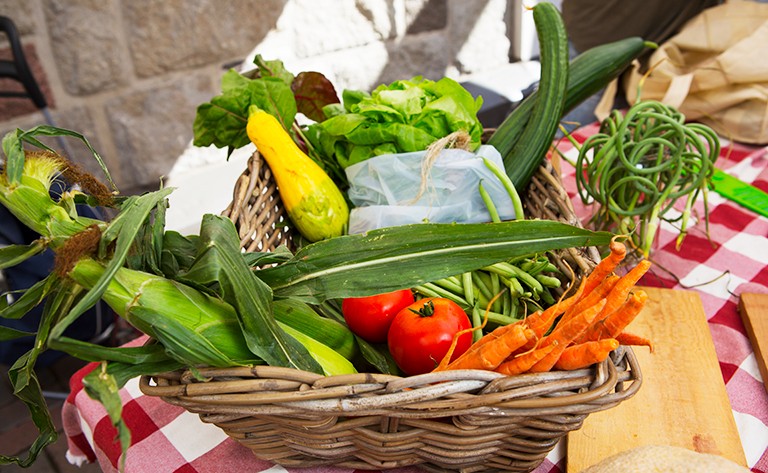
x=588, y=73
x=536, y=137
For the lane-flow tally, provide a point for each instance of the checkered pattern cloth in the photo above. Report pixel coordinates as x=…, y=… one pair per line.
x=169, y=439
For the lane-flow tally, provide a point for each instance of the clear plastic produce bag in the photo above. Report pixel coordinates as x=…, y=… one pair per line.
x=387, y=190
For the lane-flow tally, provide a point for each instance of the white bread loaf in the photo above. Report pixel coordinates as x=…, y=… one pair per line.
x=664, y=459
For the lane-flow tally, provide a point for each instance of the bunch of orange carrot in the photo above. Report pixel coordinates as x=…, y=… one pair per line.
x=574, y=333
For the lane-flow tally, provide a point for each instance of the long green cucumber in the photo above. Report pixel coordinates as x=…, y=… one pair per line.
x=589, y=72
x=536, y=138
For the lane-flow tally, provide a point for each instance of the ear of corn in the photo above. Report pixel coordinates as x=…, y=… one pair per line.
x=192, y=325
x=302, y=317
x=332, y=362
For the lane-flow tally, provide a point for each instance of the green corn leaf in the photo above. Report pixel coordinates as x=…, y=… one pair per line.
x=124, y=372
x=179, y=253
x=14, y=254
x=221, y=262
x=395, y=258
x=30, y=299
x=8, y=333
x=92, y=352
x=102, y=386
x=281, y=254
x=14, y=156
x=26, y=386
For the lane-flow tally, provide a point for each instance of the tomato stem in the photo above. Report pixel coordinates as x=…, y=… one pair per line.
x=426, y=310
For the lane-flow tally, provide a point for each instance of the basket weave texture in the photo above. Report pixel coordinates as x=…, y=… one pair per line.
x=465, y=420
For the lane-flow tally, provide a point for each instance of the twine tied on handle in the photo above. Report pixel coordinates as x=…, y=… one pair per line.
x=457, y=140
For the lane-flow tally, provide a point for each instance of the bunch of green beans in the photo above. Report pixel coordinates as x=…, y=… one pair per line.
x=639, y=165
x=523, y=286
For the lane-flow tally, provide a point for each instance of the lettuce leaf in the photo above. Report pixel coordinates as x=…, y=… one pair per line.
x=404, y=116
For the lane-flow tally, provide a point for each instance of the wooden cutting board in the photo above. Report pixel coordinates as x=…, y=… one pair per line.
x=682, y=401
x=754, y=313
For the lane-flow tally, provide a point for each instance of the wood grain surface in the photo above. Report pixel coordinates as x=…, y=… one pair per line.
x=682, y=401
x=754, y=313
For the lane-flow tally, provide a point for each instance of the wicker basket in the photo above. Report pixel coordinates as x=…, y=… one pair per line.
x=466, y=421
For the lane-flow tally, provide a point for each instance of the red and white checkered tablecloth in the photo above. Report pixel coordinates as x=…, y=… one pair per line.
x=166, y=438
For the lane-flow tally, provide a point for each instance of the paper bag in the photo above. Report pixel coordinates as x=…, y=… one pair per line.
x=715, y=71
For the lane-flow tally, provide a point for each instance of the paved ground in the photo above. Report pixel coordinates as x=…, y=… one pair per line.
x=17, y=432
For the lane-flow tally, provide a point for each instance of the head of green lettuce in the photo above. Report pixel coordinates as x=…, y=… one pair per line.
x=404, y=116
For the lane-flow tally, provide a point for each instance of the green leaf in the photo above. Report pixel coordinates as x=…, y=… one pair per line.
x=233, y=80
x=8, y=333
x=14, y=156
x=26, y=386
x=273, y=68
x=31, y=298
x=124, y=372
x=102, y=386
x=222, y=121
x=281, y=254
x=14, y=254
x=221, y=261
x=395, y=258
x=179, y=253
x=91, y=352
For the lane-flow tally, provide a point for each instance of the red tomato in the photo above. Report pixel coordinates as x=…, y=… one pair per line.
x=422, y=333
x=369, y=317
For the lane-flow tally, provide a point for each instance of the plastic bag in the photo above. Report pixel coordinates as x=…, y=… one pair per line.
x=385, y=189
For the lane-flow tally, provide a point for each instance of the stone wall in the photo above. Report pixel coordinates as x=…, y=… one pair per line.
x=129, y=74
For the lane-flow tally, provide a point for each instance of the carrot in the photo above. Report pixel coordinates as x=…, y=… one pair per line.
x=607, y=265
x=447, y=358
x=489, y=355
x=540, y=321
x=626, y=338
x=611, y=325
x=564, y=334
x=590, y=299
x=624, y=286
x=585, y=354
x=523, y=362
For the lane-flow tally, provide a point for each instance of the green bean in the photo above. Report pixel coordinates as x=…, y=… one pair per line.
x=640, y=164
x=548, y=281
x=496, y=289
x=450, y=286
x=517, y=204
x=477, y=279
x=518, y=273
x=488, y=203
x=433, y=290
x=477, y=320
x=469, y=289
x=500, y=319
